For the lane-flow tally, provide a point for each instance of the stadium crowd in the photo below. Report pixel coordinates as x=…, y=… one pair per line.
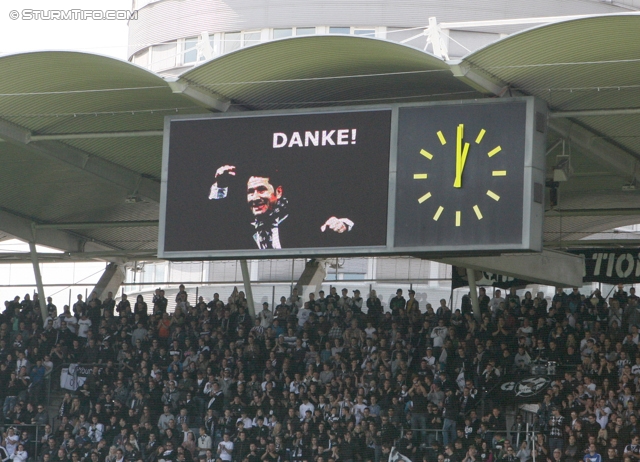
x=334, y=377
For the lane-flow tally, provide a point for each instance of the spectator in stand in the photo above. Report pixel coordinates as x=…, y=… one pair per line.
x=326, y=377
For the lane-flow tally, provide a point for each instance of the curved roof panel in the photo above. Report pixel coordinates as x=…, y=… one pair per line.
x=327, y=70
x=580, y=65
x=65, y=92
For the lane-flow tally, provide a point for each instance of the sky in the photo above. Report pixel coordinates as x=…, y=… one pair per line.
x=105, y=37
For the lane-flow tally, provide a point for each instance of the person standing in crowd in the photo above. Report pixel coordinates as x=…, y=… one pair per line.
x=327, y=379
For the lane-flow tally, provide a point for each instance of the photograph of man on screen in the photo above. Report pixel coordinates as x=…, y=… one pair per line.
x=272, y=218
x=232, y=185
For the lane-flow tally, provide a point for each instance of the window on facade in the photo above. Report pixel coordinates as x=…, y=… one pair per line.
x=365, y=32
x=232, y=41
x=190, y=50
x=163, y=56
x=282, y=33
x=340, y=30
x=305, y=30
x=142, y=58
x=250, y=38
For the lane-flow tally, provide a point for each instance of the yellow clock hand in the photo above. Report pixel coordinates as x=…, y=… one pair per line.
x=464, y=159
x=456, y=181
x=461, y=156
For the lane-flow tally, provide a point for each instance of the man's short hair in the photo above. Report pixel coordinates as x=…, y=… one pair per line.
x=271, y=173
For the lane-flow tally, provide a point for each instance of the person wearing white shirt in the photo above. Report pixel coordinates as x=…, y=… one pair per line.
x=22, y=361
x=295, y=301
x=96, y=429
x=49, y=318
x=306, y=406
x=495, y=302
x=248, y=422
x=72, y=322
x=225, y=448
x=602, y=413
x=11, y=441
x=359, y=408
x=265, y=316
x=439, y=334
x=84, y=324
x=303, y=315
x=20, y=455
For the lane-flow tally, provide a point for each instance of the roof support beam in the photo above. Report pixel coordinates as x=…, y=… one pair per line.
x=549, y=267
x=36, y=272
x=20, y=228
x=127, y=179
x=628, y=211
x=201, y=98
x=633, y=243
x=85, y=136
x=517, y=22
x=622, y=162
x=99, y=225
x=118, y=256
x=96, y=135
x=594, y=113
x=476, y=80
x=110, y=281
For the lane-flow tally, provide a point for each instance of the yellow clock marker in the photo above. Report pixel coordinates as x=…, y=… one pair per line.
x=438, y=213
x=478, y=213
x=480, y=136
x=458, y=217
x=499, y=173
x=442, y=138
x=424, y=198
x=419, y=176
x=493, y=195
x=428, y=155
x=494, y=151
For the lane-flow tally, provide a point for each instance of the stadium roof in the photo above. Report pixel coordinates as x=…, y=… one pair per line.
x=82, y=133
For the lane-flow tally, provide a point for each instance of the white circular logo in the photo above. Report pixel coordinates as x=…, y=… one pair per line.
x=527, y=387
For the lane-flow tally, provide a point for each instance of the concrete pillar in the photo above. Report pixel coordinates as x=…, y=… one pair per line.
x=110, y=281
x=311, y=279
x=471, y=276
x=36, y=271
x=248, y=293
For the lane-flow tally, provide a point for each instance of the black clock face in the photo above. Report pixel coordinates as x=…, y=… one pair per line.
x=460, y=175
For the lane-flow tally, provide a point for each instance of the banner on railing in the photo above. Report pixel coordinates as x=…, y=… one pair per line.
x=74, y=376
x=459, y=278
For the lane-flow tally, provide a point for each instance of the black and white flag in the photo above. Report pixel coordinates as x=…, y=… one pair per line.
x=395, y=456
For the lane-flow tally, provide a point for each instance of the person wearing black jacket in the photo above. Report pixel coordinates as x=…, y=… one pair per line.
x=449, y=414
x=241, y=446
x=418, y=394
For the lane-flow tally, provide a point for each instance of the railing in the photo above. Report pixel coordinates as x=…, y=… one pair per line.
x=52, y=379
x=515, y=437
x=32, y=446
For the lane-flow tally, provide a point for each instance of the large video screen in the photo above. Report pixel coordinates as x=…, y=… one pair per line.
x=276, y=184
x=422, y=179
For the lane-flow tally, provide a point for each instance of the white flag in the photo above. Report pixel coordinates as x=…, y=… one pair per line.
x=395, y=456
x=70, y=380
